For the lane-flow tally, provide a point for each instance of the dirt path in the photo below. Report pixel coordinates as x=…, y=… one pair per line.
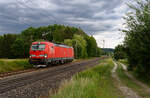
x=144, y=86
x=127, y=92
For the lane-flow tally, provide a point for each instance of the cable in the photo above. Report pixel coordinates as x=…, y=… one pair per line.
x=41, y=12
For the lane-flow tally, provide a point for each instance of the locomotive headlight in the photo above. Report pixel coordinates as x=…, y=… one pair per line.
x=41, y=55
x=45, y=55
x=32, y=55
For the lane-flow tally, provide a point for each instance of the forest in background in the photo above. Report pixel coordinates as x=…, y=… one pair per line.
x=18, y=45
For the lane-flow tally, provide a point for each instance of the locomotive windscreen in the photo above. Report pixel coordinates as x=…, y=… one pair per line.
x=38, y=47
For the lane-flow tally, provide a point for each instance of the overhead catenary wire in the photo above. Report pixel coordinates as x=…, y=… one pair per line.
x=32, y=9
x=40, y=12
x=23, y=21
x=44, y=11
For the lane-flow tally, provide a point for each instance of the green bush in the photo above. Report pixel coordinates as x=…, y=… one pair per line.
x=137, y=40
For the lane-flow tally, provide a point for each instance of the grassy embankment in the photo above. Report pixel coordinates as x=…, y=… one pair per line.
x=130, y=83
x=92, y=83
x=7, y=65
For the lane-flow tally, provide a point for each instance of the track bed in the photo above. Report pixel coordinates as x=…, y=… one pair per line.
x=38, y=83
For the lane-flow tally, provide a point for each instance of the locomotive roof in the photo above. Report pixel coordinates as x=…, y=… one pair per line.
x=60, y=45
x=39, y=42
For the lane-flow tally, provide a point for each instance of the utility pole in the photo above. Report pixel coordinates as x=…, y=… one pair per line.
x=96, y=51
x=76, y=49
x=103, y=43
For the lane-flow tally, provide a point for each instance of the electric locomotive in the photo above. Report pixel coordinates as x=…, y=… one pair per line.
x=48, y=53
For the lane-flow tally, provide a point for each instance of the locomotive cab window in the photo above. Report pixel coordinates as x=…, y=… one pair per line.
x=52, y=49
x=38, y=47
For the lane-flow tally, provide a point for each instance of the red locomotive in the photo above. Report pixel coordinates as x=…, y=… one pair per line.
x=47, y=53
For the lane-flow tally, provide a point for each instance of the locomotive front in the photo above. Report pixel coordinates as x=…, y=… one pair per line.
x=38, y=53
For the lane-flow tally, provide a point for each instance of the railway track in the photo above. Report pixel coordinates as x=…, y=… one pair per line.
x=52, y=73
x=6, y=74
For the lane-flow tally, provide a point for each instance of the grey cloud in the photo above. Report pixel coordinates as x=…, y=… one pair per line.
x=16, y=16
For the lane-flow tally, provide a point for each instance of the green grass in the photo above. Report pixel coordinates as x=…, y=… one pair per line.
x=92, y=83
x=7, y=65
x=142, y=78
x=129, y=83
x=124, y=61
x=82, y=59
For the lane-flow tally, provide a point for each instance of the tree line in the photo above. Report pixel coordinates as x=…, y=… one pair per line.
x=18, y=45
x=136, y=47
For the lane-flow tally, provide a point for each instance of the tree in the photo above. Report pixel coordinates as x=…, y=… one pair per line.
x=92, y=48
x=1, y=46
x=98, y=52
x=17, y=49
x=79, y=45
x=119, y=52
x=137, y=40
x=68, y=42
x=11, y=45
x=6, y=43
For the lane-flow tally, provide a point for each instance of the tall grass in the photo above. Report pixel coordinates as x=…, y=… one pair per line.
x=124, y=61
x=7, y=65
x=92, y=83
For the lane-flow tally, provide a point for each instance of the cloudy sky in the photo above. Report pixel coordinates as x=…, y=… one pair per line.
x=100, y=18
